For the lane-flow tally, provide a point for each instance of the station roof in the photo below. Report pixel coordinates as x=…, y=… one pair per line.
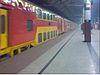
x=70, y=9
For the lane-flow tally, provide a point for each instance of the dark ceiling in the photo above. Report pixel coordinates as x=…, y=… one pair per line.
x=70, y=9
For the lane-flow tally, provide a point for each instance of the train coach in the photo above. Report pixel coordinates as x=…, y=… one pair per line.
x=23, y=25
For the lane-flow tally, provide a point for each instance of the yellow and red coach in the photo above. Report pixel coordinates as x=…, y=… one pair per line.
x=23, y=25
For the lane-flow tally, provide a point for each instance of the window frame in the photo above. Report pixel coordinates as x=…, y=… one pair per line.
x=48, y=17
x=40, y=37
x=44, y=36
x=44, y=16
x=39, y=13
x=29, y=25
x=54, y=33
x=49, y=35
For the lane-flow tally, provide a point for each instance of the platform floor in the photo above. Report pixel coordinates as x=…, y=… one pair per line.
x=71, y=55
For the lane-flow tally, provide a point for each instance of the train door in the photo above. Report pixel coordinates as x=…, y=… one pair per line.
x=3, y=29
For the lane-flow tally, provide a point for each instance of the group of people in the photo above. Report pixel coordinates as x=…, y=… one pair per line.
x=86, y=28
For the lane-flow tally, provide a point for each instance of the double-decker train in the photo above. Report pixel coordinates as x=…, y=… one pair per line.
x=23, y=25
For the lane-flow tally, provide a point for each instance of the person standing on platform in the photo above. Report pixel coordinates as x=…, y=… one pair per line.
x=83, y=27
x=86, y=27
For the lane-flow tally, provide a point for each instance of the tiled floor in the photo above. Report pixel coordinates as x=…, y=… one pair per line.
x=75, y=57
x=96, y=41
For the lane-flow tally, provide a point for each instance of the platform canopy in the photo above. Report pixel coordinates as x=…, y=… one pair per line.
x=70, y=9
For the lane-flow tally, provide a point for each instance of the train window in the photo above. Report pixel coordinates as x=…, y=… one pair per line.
x=44, y=15
x=48, y=35
x=39, y=37
x=54, y=33
x=2, y=24
x=44, y=36
x=51, y=34
x=53, y=17
x=39, y=13
x=48, y=16
x=29, y=25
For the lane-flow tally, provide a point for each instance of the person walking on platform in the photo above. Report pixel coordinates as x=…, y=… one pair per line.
x=86, y=28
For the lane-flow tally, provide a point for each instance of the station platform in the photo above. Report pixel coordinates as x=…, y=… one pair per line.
x=66, y=54
x=71, y=55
